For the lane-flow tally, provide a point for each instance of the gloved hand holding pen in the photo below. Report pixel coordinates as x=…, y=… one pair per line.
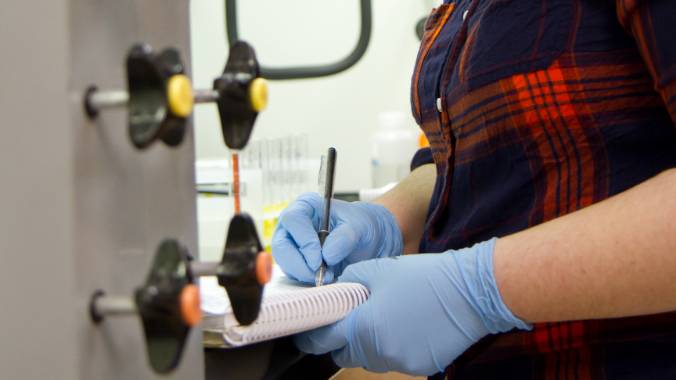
x=359, y=231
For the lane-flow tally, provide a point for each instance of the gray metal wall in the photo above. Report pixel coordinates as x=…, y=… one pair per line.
x=80, y=208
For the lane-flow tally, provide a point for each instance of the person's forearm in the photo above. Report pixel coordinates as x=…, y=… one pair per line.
x=616, y=258
x=409, y=201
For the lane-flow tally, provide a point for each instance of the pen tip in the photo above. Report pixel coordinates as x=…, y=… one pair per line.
x=319, y=277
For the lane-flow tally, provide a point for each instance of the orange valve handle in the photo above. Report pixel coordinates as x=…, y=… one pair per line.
x=191, y=312
x=168, y=304
x=263, y=268
x=244, y=269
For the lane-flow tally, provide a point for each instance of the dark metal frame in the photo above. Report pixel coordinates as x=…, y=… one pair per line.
x=306, y=72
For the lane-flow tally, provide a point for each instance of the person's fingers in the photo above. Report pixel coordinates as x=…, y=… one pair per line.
x=362, y=272
x=346, y=358
x=353, y=355
x=340, y=243
x=297, y=219
x=324, y=339
x=289, y=258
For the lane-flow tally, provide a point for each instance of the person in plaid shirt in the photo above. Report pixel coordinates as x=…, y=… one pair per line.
x=552, y=146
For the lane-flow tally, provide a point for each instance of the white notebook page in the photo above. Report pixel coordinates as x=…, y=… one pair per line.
x=288, y=307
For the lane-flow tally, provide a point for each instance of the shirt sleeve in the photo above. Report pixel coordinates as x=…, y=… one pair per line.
x=653, y=25
x=422, y=157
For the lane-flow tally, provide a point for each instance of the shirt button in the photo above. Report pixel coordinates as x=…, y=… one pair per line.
x=440, y=108
x=464, y=14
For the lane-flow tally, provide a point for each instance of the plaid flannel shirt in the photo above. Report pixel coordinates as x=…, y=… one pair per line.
x=535, y=109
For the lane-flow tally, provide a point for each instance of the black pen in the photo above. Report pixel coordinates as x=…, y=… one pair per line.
x=328, y=194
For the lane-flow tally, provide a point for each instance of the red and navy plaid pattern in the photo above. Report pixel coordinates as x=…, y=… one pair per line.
x=535, y=109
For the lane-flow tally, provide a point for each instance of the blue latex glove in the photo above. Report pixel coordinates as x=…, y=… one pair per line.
x=359, y=231
x=423, y=312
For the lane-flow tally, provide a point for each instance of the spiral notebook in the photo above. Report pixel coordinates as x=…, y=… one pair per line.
x=288, y=308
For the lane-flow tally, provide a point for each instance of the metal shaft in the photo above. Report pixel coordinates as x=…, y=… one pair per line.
x=205, y=96
x=95, y=100
x=202, y=269
x=108, y=99
x=105, y=306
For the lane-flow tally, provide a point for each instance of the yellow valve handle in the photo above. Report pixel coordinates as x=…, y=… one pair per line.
x=180, y=95
x=258, y=94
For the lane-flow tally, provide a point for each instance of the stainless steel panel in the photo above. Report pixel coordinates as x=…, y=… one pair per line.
x=81, y=208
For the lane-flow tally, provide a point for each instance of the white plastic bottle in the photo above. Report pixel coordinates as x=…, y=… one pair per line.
x=394, y=144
